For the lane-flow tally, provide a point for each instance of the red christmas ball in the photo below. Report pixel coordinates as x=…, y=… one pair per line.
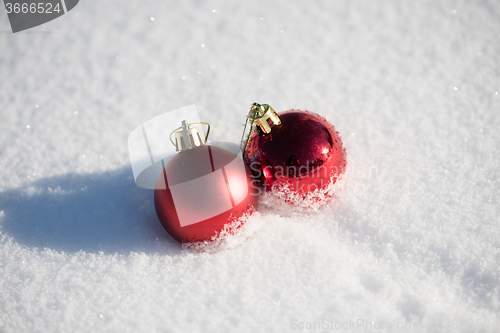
x=201, y=190
x=302, y=156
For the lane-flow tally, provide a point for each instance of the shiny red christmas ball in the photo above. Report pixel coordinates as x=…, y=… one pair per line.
x=201, y=190
x=302, y=156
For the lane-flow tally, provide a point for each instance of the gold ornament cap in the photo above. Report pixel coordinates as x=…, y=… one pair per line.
x=264, y=117
x=260, y=116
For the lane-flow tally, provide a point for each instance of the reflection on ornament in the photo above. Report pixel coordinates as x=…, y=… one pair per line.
x=295, y=152
x=202, y=189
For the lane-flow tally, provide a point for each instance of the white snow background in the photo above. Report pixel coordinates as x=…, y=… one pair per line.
x=412, y=238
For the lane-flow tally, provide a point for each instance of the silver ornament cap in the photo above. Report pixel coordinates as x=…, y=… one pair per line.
x=187, y=137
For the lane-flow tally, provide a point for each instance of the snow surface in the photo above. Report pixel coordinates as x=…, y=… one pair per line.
x=412, y=238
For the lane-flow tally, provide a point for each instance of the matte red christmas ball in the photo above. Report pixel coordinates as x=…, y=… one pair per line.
x=297, y=154
x=202, y=189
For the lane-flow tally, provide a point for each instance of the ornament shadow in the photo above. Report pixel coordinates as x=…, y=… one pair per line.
x=104, y=212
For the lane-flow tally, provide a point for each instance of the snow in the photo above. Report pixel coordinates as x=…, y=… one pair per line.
x=411, y=243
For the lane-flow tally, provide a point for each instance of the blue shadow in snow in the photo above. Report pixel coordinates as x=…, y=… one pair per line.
x=104, y=212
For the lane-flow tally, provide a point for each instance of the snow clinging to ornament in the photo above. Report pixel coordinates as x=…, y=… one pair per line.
x=204, y=191
x=202, y=188
x=296, y=155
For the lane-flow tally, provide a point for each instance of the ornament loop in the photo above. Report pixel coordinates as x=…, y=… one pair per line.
x=262, y=115
x=266, y=117
x=187, y=137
